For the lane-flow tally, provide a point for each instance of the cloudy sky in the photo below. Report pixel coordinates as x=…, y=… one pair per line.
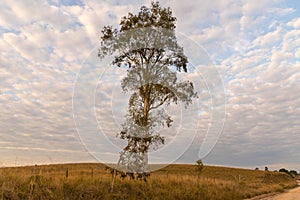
x=58, y=101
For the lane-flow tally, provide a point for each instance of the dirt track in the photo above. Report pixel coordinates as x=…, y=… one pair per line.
x=293, y=194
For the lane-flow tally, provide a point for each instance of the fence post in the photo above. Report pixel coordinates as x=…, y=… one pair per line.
x=67, y=173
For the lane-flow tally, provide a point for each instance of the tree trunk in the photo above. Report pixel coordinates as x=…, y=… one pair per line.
x=146, y=113
x=146, y=104
x=145, y=162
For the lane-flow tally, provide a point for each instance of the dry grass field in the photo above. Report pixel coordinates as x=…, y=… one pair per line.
x=92, y=181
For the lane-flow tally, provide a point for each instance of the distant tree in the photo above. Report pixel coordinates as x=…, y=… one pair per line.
x=199, y=166
x=293, y=173
x=284, y=170
x=266, y=168
x=146, y=45
x=256, y=168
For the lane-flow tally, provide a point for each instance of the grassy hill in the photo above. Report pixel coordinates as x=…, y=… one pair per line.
x=92, y=181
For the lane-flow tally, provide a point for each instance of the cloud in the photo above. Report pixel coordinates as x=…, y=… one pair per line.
x=268, y=40
x=295, y=23
x=262, y=103
x=253, y=44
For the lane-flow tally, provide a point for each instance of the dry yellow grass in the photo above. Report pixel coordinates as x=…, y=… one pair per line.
x=91, y=181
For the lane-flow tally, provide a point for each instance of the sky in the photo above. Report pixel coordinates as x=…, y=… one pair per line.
x=60, y=103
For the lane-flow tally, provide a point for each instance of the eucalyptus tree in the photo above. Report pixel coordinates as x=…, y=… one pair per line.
x=146, y=45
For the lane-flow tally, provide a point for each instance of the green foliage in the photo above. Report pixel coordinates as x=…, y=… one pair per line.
x=131, y=175
x=284, y=170
x=155, y=16
x=292, y=173
x=147, y=37
x=266, y=168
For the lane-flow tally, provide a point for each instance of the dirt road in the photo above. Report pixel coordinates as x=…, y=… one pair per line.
x=293, y=194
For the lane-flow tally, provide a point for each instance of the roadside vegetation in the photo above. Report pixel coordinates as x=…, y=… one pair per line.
x=292, y=173
x=92, y=181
